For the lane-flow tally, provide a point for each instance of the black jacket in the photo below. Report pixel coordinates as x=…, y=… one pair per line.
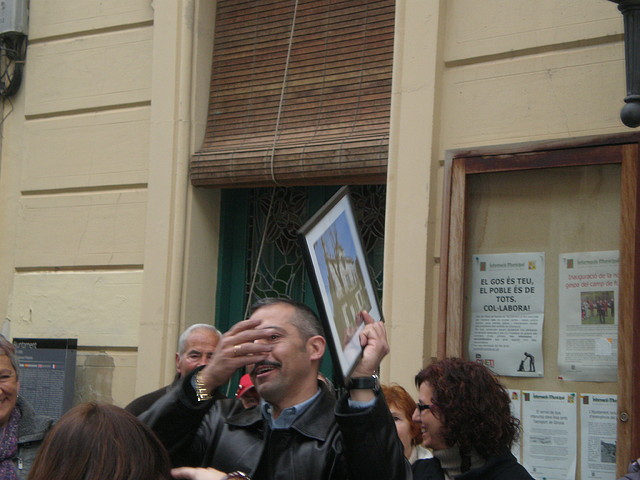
x=499, y=467
x=142, y=403
x=324, y=443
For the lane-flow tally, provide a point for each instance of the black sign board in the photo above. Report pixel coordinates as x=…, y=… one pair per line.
x=47, y=373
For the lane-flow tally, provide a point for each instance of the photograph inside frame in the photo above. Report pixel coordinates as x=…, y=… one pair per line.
x=338, y=271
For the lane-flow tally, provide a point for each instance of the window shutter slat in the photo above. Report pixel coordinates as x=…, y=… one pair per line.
x=334, y=119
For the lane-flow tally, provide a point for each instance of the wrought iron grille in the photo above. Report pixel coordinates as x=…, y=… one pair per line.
x=275, y=267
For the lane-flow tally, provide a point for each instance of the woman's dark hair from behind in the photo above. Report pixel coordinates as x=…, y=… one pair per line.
x=472, y=404
x=100, y=442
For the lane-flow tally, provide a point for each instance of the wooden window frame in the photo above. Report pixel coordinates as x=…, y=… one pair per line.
x=621, y=149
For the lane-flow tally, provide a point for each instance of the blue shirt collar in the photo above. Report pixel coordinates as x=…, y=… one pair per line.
x=288, y=415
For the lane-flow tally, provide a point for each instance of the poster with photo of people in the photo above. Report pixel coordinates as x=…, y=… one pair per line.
x=588, y=316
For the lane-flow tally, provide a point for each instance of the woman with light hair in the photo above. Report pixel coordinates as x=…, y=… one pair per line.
x=22, y=430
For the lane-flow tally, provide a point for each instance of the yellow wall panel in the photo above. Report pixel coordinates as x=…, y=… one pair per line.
x=98, y=229
x=556, y=95
x=89, y=150
x=476, y=29
x=64, y=17
x=89, y=72
x=97, y=308
x=105, y=376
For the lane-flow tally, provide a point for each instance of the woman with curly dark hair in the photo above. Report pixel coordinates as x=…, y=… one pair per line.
x=465, y=418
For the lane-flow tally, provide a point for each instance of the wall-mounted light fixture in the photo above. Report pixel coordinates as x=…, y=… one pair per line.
x=13, y=44
x=630, y=113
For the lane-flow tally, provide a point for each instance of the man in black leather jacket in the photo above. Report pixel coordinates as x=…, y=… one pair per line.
x=298, y=431
x=195, y=348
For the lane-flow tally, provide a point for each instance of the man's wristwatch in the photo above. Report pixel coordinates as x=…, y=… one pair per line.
x=365, y=383
x=201, y=392
x=236, y=474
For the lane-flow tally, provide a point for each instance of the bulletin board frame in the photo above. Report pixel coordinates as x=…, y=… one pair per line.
x=623, y=149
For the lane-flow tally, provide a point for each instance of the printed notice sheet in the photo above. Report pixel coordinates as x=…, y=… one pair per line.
x=507, y=313
x=549, y=438
x=598, y=414
x=516, y=407
x=588, y=316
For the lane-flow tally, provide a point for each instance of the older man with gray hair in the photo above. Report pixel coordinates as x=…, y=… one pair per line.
x=195, y=348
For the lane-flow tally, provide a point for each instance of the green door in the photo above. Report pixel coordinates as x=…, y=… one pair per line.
x=259, y=252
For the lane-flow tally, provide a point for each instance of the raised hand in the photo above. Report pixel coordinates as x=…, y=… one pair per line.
x=237, y=348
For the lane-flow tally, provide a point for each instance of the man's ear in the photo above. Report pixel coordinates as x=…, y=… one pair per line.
x=316, y=346
x=177, y=360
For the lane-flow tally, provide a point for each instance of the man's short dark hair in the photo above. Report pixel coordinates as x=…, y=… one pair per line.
x=305, y=319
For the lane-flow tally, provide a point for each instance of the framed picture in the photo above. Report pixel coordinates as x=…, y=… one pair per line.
x=340, y=278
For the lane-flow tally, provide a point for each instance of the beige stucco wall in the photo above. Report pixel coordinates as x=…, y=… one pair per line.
x=103, y=238
x=75, y=161
x=184, y=221
x=469, y=74
x=409, y=293
x=95, y=199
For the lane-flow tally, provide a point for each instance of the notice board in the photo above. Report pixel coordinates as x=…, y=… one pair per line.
x=47, y=373
x=573, y=207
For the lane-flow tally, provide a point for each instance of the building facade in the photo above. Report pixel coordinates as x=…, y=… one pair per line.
x=104, y=237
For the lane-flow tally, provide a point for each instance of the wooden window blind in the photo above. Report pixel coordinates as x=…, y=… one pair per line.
x=300, y=94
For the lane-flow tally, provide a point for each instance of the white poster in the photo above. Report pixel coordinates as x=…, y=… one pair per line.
x=549, y=443
x=507, y=313
x=598, y=419
x=516, y=407
x=588, y=316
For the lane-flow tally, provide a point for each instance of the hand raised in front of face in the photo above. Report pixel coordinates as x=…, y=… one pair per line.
x=236, y=349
